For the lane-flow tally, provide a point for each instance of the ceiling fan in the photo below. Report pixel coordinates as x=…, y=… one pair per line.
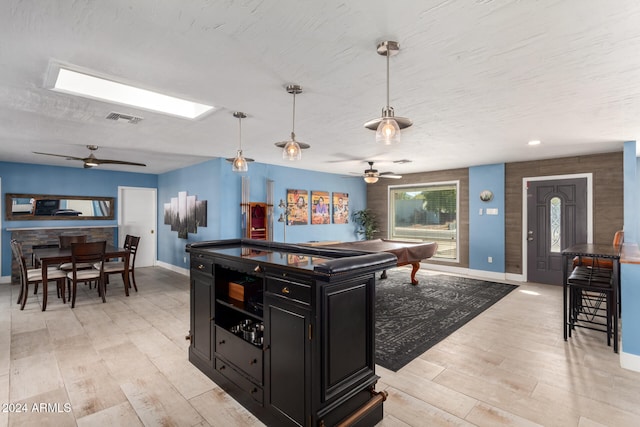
x=92, y=160
x=371, y=175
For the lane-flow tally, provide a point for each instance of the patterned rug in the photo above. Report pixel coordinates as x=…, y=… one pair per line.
x=411, y=319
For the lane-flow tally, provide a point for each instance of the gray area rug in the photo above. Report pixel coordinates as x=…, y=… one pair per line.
x=411, y=319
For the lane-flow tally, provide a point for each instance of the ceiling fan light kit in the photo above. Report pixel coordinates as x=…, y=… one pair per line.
x=292, y=149
x=388, y=126
x=372, y=175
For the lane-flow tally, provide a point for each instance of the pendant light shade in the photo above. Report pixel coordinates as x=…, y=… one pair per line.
x=239, y=163
x=292, y=149
x=388, y=131
x=388, y=126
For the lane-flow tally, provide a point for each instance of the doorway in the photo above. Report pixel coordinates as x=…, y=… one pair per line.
x=558, y=215
x=137, y=215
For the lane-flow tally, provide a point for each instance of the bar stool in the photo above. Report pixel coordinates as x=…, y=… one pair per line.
x=592, y=301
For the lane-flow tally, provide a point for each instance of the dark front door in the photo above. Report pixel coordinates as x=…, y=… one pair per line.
x=557, y=219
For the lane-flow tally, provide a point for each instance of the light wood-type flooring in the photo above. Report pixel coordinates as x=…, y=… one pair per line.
x=124, y=363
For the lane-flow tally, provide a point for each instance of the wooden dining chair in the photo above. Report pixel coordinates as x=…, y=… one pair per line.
x=117, y=267
x=65, y=242
x=34, y=276
x=86, y=253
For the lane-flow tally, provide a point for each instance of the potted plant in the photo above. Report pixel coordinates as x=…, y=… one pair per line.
x=366, y=222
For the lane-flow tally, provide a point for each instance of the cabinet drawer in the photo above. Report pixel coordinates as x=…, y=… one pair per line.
x=296, y=291
x=242, y=354
x=235, y=377
x=203, y=265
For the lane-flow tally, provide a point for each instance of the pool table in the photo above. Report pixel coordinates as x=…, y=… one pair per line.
x=406, y=252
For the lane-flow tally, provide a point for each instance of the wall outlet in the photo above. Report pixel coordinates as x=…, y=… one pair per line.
x=489, y=260
x=184, y=259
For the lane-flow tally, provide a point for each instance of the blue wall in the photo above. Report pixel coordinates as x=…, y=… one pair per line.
x=215, y=182
x=630, y=273
x=39, y=179
x=487, y=232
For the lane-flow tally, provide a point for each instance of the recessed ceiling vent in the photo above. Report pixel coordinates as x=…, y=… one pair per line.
x=124, y=117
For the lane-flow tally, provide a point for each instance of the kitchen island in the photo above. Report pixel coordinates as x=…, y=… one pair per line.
x=288, y=330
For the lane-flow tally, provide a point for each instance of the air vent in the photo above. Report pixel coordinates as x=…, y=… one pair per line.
x=124, y=117
x=403, y=161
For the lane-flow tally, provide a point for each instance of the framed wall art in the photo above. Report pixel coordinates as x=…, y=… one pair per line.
x=340, y=208
x=297, y=207
x=320, y=207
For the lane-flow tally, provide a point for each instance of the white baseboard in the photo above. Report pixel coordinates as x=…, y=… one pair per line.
x=630, y=361
x=5, y=279
x=514, y=277
x=181, y=270
x=492, y=275
x=481, y=274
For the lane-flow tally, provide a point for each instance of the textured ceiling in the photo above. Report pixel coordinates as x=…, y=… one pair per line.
x=478, y=78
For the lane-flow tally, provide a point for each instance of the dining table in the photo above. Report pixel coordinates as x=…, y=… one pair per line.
x=55, y=256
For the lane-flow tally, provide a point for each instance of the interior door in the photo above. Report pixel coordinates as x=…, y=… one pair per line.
x=137, y=209
x=557, y=219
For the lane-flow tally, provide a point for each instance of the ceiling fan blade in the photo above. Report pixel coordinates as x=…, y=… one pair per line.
x=116, y=162
x=231, y=159
x=389, y=175
x=59, y=155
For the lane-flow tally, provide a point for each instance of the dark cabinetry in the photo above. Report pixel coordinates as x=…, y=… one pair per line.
x=202, y=308
x=299, y=350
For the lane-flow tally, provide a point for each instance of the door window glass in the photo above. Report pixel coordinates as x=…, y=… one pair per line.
x=555, y=217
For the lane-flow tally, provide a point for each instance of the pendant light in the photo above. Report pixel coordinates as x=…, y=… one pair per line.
x=388, y=126
x=239, y=163
x=292, y=149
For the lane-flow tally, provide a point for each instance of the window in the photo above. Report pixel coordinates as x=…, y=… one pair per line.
x=555, y=217
x=426, y=212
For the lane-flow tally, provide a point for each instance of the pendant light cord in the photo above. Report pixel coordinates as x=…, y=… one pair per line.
x=240, y=133
x=293, y=126
x=388, y=77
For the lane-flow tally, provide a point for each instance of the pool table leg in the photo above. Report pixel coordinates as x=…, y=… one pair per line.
x=414, y=269
x=415, y=266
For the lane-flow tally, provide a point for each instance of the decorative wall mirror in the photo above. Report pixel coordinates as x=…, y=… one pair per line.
x=22, y=207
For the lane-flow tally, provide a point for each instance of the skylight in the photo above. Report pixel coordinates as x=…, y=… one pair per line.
x=107, y=90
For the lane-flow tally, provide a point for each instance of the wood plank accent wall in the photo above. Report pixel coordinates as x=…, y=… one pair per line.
x=607, y=170
x=607, y=198
x=378, y=201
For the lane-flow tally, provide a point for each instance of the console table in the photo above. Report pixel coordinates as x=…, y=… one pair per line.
x=288, y=330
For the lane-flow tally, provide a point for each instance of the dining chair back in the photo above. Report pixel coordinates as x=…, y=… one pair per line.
x=87, y=253
x=67, y=239
x=28, y=276
x=65, y=242
x=117, y=267
x=34, y=261
x=133, y=251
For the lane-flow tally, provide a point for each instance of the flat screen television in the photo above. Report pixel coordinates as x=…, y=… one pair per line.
x=46, y=206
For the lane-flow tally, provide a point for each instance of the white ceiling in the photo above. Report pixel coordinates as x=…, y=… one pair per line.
x=478, y=78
